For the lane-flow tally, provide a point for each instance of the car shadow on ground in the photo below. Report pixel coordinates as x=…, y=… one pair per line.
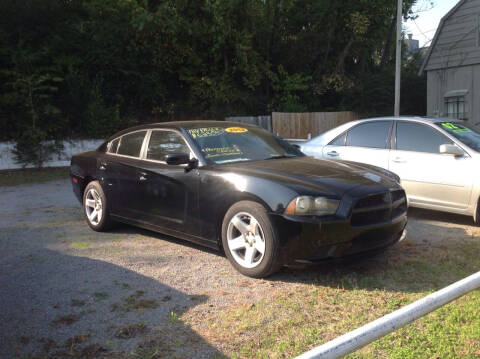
x=125, y=229
x=57, y=305
x=437, y=216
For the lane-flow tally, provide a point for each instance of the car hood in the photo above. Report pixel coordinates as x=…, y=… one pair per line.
x=311, y=175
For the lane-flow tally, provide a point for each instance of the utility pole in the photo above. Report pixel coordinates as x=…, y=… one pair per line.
x=398, y=59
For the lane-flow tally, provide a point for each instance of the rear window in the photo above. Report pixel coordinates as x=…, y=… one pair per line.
x=131, y=144
x=371, y=134
x=114, y=146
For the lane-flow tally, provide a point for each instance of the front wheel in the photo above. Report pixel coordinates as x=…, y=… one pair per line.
x=95, y=207
x=476, y=216
x=250, y=241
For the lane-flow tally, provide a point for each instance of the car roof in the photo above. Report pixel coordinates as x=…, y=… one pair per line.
x=178, y=125
x=331, y=134
x=411, y=118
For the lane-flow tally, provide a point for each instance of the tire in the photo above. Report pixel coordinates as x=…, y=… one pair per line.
x=246, y=232
x=95, y=207
x=476, y=216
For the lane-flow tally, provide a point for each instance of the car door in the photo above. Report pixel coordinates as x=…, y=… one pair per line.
x=168, y=194
x=431, y=179
x=367, y=142
x=119, y=168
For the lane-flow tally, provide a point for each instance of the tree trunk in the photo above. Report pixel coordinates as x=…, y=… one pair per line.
x=343, y=55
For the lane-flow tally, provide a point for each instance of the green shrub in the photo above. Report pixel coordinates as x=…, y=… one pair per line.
x=32, y=148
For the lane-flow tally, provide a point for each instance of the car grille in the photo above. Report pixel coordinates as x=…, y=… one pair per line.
x=379, y=208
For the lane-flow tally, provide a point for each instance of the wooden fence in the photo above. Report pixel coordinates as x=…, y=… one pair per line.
x=299, y=125
x=262, y=121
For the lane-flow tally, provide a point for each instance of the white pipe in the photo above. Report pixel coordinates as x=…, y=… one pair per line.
x=398, y=59
x=362, y=336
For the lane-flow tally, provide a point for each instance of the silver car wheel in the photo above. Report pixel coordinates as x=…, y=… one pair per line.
x=245, y=239
x=93, y=206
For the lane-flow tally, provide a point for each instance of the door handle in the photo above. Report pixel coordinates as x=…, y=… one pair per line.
x=143, y=176
x=103, y=166
x=333, y=153
x=399, y=160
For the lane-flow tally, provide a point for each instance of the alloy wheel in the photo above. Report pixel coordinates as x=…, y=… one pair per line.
x=245, y=239
x=93, y=206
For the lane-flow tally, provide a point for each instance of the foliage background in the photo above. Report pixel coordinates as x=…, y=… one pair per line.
x=76, y=68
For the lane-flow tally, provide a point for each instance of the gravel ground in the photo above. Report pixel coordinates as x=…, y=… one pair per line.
x=68, y=291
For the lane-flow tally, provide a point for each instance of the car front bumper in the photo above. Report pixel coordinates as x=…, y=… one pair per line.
x=309, y=240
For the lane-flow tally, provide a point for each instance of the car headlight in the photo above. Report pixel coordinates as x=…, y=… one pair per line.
x=312, y=206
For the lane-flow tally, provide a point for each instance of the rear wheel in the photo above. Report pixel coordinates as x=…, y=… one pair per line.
x=95, y=207
x=250, y=241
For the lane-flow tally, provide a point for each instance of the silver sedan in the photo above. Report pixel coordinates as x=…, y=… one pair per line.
x=438, y=160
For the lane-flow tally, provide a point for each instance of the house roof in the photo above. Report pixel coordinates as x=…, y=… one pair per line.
x=437, y=33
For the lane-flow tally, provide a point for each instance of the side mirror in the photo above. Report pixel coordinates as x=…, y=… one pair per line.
x=177, y=158
x=192, y=164
x=451, y=150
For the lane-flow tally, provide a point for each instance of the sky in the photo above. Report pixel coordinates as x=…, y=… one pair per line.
x=429, y=16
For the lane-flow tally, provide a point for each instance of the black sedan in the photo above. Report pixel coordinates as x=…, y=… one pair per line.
x=239, y=188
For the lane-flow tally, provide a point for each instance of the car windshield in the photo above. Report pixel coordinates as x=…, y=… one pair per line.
x=235, y=144
x=463, y=133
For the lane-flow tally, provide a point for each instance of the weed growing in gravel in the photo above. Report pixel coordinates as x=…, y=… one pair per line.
x=134, y=302
x=101, y=295
x=77, y=339
x=77, y=303
x=173, y=317
x=67, y=319
x=123, y=285
x=130, y=330
x=152, y=350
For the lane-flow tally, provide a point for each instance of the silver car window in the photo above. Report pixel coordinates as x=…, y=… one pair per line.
x=370, y=134
x=419, y=138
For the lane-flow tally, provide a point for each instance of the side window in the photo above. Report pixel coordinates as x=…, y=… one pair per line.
x=163, y=143
x=114, y=146
x=339, y=141
x=131, y=144
x=419, y=138
x=371, y=134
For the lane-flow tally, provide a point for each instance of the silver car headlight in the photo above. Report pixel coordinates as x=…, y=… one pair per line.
x=312, y=206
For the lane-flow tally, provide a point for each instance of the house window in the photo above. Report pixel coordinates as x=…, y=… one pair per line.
x=455, y=107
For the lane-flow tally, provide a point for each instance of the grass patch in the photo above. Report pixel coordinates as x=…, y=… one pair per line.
x=130, y=331
x=134, y=302
x=80, y=245
x=335, y=300
x=67, y=319
x=33, y=175
x=100, y=295
x=77, y=303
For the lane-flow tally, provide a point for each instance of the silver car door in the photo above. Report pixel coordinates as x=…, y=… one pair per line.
x=431, y=179
x=367, y=142
x=335, y=148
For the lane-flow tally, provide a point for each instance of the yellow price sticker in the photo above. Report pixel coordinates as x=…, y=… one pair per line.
x=236, y=129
